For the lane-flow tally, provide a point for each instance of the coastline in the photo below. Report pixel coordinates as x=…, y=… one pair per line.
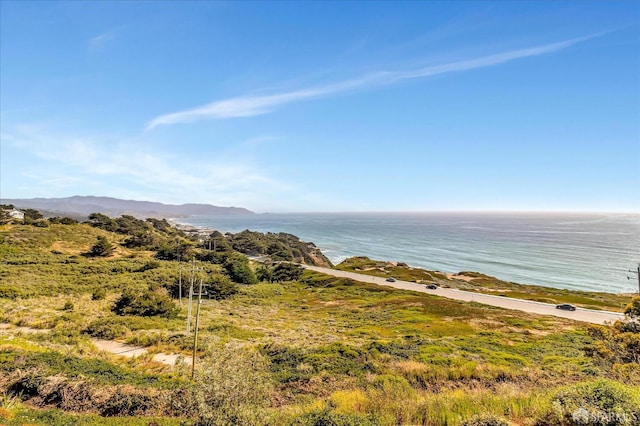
x=467, y=281
x=580, y=252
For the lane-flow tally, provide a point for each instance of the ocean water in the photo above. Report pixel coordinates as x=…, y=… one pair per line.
x=576, y=251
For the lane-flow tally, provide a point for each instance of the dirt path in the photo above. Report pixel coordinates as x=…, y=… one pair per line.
x=110, y=346
x=8, y=328
x=129, y=351
x=585, y=315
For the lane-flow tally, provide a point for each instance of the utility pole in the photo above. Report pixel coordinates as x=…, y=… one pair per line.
x=191, y=282
x=195, y=333
x=180, y=285
x=637, y=273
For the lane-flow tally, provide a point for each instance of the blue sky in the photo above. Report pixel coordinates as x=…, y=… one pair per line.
x=322, y=106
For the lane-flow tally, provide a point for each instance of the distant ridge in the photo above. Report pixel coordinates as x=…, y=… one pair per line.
x=85, y=205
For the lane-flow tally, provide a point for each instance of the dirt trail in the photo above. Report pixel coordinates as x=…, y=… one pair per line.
x=110, y=346
x=9, y=329
x=129, y=351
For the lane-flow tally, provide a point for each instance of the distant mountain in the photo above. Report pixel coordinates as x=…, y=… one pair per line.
x=83, y=206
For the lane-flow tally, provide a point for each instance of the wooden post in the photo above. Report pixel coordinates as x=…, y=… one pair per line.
x=180, y=285
x=195, y=333
x=191, y=279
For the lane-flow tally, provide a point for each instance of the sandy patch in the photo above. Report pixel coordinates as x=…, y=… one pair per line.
x=129, y=351
x=459, y=277
x=10, y=329
x=66, y=248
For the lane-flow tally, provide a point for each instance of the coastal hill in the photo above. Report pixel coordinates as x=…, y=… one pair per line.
x=277, y=344
x=82, y=206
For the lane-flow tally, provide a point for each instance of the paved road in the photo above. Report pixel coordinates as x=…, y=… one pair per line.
x=584, y=315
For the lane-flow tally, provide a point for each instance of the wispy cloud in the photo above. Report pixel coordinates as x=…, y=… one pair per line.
x=100, y=41
x=247, y=106
x=100, y=164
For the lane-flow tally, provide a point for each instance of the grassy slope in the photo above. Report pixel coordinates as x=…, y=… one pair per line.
x=360, y=350
x=474, y=281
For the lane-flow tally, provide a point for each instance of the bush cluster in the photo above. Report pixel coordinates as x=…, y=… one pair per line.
x=145, y=303
x=598, y=403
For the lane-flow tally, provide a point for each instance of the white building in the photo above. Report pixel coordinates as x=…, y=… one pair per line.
x=16, y=214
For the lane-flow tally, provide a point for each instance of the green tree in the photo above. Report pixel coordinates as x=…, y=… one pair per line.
x=32, y=214
x=218, y=242
x=162, y=225
x=62, y=220
x=279, y=251
x=237, y=266
x=220, y=287
x=264, y=273
x=141, y=239
x=102, y=247
x=102, y=221
x=176, y=249
x=287, y=272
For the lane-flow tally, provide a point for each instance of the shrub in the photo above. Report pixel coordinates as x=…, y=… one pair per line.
x=99, y=294
x=141, y=239
x=152, y=264
x=328, y=417
x=145, y=303
x=232, y=388
x=9, y=291
x=62, y=220
x=176, y=249
x=105, y=329
x=221, y=287
x=40, y=223
x=68, y=306
x=264, y=273
x=486, y=420
x=218, y=287
x=128, y=401
x=619, y=344
x=102, y=247
x=287, y=272
x=392, y=385
x=598, y=403
x=26, y=387
x=633, y=308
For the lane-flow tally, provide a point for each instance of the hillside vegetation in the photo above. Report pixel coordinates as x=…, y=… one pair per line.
x=278, y=346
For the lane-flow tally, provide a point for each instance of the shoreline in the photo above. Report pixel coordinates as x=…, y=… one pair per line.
x=180, y=223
